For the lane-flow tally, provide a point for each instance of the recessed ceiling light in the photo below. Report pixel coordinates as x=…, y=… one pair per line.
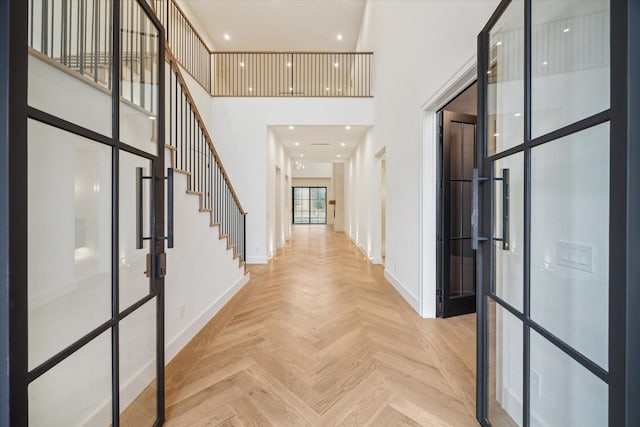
x=250, y=89
x=566, y=30
x=545, y=63
x=327, y=89
x=290, y=89
x=242, y=64
x=347, y=127
x=336, y=65
x=339, y=36
x=343, y=144
x=288, y=64
x=291, y=128
x=227, y=36
x=498, y=44
x=517, y=114
x=296, y=143
x=301, y=155
x=338, y=156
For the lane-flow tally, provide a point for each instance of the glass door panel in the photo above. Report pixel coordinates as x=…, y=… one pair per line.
x=69, y=225
x=563, y=392
x=318, y=213
x=135, y=230
x=504, y=367
x=505, y=75
x=569, y=244
x=139, y=88
x=75, y=53
x=77, y=391
x=570, y=62
x=508, y=226
x=138, y=364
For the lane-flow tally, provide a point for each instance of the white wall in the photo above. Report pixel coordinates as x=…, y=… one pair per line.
x=202, y=273
x=338, y=196
x=314, y=170
x=239, y=130
x=278, y=166
x=362, y=193
x=418, y=46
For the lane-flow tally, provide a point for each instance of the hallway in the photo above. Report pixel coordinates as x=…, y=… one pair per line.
x=318, y=337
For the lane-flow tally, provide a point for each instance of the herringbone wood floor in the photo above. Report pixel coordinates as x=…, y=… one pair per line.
x=318, y=337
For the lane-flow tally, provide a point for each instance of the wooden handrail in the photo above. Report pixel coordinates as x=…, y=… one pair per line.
x=173, y=63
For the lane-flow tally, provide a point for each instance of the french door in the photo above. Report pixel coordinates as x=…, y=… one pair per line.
x=457, y=260
x=309, y=205
x=88, y=348
x=550, y=216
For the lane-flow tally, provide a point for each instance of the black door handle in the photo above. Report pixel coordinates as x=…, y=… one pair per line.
x=475, y=238
x=505, y=209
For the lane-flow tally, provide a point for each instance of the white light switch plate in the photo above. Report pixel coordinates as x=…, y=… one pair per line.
x=576, y=256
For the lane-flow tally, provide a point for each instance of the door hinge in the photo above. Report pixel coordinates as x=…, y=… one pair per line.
x=147, y=272
x=161, y=265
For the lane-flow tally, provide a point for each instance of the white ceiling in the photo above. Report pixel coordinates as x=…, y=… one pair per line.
x=319, y=143
x=280, y=25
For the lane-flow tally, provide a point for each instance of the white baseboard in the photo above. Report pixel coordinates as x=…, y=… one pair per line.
x=376, y=259
x=178, y=343
x=402, y=290
x=257, y=260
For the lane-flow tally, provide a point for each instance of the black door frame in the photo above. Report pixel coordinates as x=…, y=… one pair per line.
x=14, y=115
x=623, y=377
x=447, y=305
x=293, y=205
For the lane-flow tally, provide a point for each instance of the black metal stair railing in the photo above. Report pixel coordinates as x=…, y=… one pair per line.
x=195, y=155
x=78, y=35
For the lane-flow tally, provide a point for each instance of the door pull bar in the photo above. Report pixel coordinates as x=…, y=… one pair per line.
x=505, y=210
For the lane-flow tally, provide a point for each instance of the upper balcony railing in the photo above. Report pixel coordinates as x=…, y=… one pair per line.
x=319, y=74
x=269, y=74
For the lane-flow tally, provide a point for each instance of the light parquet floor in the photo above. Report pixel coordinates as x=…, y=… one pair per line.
x=319, y=338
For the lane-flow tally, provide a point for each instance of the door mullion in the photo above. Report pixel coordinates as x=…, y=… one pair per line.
x=526, y=335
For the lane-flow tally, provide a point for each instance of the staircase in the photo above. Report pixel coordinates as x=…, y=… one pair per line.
x=193, y=154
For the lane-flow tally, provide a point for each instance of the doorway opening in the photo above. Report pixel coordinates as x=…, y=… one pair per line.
x=456, y=263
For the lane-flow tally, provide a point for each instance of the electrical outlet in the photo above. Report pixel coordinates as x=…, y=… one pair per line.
x=534, y=381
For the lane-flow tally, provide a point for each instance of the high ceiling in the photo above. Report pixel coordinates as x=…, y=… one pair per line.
x=279, y=25
x=319, y=143
x=288, y=26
